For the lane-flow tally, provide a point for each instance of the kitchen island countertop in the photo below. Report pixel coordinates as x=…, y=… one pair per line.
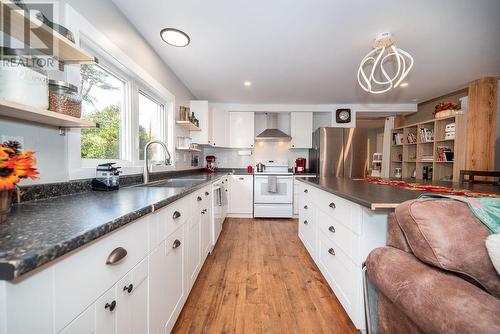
x=376, y=196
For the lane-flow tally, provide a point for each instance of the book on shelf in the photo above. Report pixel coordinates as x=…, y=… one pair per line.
x=397, y=138
x=444, y=153
x=429, y=158
x=426, y=135
x=411, y=138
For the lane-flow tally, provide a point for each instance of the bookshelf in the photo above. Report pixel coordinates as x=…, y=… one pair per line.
x=430, y=144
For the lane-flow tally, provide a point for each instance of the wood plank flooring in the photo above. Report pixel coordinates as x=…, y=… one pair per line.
x=260, y=279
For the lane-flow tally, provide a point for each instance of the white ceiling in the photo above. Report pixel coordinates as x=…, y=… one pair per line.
x=308, y=51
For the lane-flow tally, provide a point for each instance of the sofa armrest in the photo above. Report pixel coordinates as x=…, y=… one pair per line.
x=435, y=300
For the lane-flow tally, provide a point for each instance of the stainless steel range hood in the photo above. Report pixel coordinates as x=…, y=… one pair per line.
x=272, y=133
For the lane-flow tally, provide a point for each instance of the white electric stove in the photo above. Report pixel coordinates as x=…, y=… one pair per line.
x=269, y=201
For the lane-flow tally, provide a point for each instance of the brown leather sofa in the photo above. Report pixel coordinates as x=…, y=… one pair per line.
x=435, y=275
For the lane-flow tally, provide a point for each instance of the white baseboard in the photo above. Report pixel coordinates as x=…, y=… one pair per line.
x=240, y=215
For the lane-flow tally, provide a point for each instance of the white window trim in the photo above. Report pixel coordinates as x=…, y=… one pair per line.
x=140, y=79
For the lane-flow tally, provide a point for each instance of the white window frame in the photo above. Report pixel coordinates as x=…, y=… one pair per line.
x=137, y=80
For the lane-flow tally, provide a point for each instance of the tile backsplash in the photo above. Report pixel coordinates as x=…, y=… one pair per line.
x=263, y=151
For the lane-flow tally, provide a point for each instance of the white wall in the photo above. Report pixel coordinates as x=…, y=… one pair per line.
x=51, y=148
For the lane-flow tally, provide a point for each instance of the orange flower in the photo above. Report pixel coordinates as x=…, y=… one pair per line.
x=8, y=182
x=15, y=166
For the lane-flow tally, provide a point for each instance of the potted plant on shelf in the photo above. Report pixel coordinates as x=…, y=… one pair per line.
x=15, y=165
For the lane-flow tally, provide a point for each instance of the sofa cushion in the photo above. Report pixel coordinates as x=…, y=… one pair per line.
x=446, y=234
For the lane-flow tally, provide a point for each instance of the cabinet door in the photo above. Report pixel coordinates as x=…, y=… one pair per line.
x=301, y=128
x=200, y=109
x=166, y=283
x=241, y=194
x=206, y=224
x=84, y=324
x=241, y=129
x=106, y=308
x=218, y=128
x=193, y=237
x=132, y=293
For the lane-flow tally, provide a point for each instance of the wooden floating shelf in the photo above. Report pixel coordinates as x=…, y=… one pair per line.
x=187, y=149
x=23, y=112
x=188, y=125
x=64, y=50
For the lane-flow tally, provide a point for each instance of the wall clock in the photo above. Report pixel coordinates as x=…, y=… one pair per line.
x=343, y=116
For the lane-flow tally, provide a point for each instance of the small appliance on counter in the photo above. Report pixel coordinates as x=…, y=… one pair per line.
x=300, y=165
x=107, y=177
x=211, y=163
x=260, y=167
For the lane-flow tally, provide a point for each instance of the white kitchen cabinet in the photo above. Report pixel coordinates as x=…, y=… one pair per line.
x=105, y=317
x=241, y=195
x=132, y=300
x=206, y=223
x=218, y=128
x=301, y=128
x=339, y=235
x=241, y=129
x=201, y=112
x=84, y=324
x=166, y=283
x=193, y=240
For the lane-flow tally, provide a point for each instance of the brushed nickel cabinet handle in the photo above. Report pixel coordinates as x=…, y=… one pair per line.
x=176, y=244
x=331, y=251
x=331, y=229
x=176, y=215
x=116, y=255
x=128, y=288
x=306, y=222
x=332, y=205
x=111, y=306
x=306, y=191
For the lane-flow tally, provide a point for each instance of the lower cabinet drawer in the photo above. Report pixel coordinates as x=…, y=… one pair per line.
x=307, y=233
x=168, y=219
x=347, y=240
x=84, y=276
x=343, y=276
x=342, y=210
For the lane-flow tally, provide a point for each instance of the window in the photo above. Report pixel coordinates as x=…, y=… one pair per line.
x=151, y=125
x=103, y=95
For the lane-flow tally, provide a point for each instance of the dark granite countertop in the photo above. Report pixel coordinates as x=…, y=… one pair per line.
x=375, y=196
x=38, y=232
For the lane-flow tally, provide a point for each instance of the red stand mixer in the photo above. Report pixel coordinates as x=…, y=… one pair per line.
x=211, y=163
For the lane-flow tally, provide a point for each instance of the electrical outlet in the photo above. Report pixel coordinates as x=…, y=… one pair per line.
x=20, y=140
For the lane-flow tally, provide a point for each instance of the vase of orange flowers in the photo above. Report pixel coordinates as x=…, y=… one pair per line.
x=15, y=165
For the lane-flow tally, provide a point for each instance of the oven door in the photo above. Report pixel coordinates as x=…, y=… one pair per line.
x=283, y=194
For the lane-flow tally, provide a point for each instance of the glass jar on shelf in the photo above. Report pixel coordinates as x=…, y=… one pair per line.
x=22, y=79
x=64, y=98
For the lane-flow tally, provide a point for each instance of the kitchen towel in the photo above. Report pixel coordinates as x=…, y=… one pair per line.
x=272, y=184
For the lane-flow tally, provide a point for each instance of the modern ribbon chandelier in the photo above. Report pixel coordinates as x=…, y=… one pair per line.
x=373, y=75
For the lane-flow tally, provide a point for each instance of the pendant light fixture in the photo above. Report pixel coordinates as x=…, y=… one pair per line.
x=373, y=76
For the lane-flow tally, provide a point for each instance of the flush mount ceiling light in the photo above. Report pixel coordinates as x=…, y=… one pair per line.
x=373, y=76
x=247, y=83
x=175, y=37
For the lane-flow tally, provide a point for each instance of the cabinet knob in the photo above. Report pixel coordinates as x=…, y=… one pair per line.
x=111, y=306
x=207, y=193
x=331, y=229
x=306, y=207
x=222, y=182
x=331, y=251
x=306, y=222
x=116, y=255
x=128, y=288
x=198, y=198
x=332, y=205
x=293, y=145
x=176, y=244
x=176, y=215
x=242, y=178
x=306, y=191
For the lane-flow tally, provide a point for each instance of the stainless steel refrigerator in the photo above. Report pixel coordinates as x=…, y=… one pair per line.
x=340, y=152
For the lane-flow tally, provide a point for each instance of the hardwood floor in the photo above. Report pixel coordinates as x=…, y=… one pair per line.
x=260, y=279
